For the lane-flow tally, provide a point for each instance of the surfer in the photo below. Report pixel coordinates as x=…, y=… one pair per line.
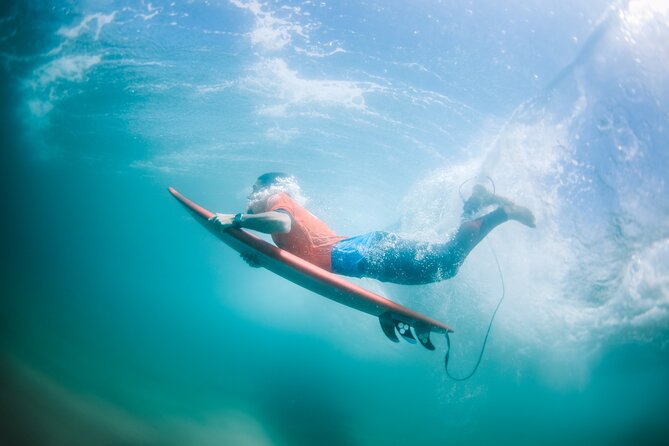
x=274, y=209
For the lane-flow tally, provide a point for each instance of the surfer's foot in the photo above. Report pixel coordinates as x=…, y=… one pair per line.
x=521, y=214
x=480, y=198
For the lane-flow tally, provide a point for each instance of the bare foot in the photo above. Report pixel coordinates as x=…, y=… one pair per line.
x=480, y=198
x=520, y=214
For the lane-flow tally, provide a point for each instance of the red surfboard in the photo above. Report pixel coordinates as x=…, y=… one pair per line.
x=393, y=317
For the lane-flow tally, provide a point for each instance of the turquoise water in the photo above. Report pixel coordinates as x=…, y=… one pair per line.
x=124, y=322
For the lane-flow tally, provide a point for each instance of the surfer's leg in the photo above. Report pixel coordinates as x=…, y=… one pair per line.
x=468, y=235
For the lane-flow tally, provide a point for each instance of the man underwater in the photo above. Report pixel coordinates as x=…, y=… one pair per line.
x=272, y=209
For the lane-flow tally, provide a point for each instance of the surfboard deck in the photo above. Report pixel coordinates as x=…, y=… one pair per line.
x=394, y=318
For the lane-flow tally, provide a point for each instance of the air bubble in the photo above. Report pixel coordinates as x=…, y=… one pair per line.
x=633, y=88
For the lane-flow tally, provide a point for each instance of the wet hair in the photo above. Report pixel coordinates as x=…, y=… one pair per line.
x=269, y=178
x=271, y=183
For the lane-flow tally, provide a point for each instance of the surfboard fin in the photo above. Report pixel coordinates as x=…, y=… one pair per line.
x=418, y=332
x=388, y=327
x=404, y=330
x=423, y=334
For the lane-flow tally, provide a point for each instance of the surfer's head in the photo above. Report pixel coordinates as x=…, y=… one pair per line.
x=271, y=178
x=271, y=183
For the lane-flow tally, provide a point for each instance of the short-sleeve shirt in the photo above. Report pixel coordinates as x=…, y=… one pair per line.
x=309, y=238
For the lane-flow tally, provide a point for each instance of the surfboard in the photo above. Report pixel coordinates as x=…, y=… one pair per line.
x=394, y=318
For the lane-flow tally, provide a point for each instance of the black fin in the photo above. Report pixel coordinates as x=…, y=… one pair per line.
x=388, y=327
x=423, y=334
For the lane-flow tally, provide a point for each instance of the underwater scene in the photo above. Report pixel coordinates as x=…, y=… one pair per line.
x=124, y=322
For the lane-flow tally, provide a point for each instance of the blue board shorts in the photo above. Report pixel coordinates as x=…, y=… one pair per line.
x=390, y=258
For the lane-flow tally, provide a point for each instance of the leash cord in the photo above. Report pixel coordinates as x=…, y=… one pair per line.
x=485, y=340
x=494, y=313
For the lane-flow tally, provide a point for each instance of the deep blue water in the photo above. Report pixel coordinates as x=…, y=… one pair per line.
x=124, y=322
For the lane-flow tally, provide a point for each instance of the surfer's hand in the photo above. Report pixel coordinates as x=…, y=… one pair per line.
x=251, y=259
x=223, y=221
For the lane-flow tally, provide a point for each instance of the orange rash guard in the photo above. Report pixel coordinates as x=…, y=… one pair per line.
x=309, y=238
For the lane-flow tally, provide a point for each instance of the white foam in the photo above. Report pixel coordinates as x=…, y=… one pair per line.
x=251, y=5
x=100, y=20
x=535, y=262
x=646, y=285
x=198, y=159
x=280, y=135
x=157, y=165
x=640, y=12
x=278, y=30
x=69, y=68
x=571, y=287
x=318, y=52
x=273, y=77
x=270, y=33
x=152, y=12
x=183, y=161
x=214, y=88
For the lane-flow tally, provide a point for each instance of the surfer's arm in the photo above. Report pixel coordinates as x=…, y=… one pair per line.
x=267, y=222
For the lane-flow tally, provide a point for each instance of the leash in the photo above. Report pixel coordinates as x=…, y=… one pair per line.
x=494, y=313
x=485, y=340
